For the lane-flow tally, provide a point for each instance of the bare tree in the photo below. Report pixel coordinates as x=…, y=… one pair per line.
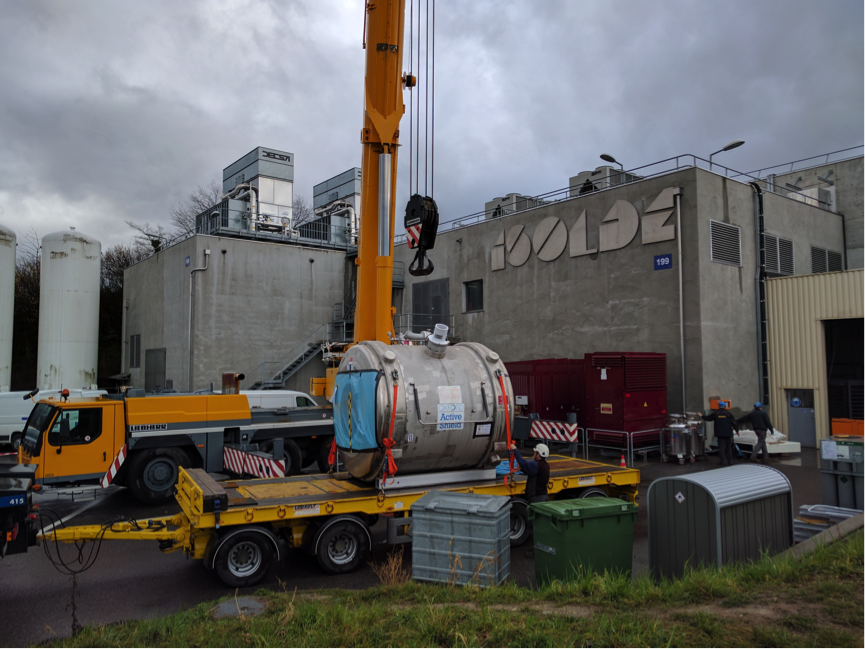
x=115, y=260
x=151, y=238
x=25, y=327
x=301, y=210
x=183, y=215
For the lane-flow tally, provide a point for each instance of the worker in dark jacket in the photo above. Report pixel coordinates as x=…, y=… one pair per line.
x=759, y=421
x=725, y=426
x=538, y=472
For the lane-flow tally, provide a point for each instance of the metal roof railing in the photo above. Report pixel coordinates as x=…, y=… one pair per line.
x=652, y=170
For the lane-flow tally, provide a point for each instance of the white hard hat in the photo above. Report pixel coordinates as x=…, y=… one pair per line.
x=542, y=450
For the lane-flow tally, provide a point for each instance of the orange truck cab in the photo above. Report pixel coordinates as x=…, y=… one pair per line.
x=141, y=441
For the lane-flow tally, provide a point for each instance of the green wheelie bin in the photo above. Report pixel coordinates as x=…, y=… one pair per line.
x=592, y=534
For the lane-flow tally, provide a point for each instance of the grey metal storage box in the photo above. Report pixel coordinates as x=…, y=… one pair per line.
x=461, y=538
x=841, y=463
x=717, y=517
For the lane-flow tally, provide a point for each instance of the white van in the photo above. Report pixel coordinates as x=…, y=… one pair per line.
x=278, y=399
x=15, y=408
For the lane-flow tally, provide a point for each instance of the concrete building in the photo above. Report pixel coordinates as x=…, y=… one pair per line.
x=600, y=272
x=255, y=303
x=567, y=274
x=840, y=184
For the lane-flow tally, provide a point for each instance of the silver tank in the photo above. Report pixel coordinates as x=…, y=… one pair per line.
x=698, y=433
x=428, y=377
x=678, y=439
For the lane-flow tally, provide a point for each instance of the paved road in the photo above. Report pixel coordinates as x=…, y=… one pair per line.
x=134, y=580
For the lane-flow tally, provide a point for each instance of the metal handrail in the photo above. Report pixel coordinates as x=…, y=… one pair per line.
x=404, y=322
x=629, y=442
x=861, y=147
x=671, y=165
x=313, y=340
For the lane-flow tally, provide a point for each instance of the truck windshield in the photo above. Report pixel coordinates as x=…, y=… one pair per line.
x=40, y=418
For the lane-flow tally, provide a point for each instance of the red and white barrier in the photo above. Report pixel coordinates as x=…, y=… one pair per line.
x=554, y=430
x=261, y=467
x=114, y=468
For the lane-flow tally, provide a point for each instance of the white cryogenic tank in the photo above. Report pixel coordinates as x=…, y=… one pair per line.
x=7, y=304
x=68, y=311
x=448, y=412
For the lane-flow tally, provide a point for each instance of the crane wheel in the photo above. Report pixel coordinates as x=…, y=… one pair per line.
x=291, y=454
x=153, y=474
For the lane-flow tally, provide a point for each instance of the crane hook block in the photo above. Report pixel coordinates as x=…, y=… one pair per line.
x=421, y=225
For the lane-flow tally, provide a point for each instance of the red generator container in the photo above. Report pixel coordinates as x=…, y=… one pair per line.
x=625, y=391
x=553, y=387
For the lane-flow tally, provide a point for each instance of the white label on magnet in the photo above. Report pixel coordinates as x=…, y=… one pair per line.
x=306, y=510
x=586, y=481
x=450, y=394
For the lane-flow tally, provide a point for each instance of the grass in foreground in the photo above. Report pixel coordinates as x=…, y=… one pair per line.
x=813, y=602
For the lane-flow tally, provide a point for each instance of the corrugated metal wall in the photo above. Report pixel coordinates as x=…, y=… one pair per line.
x=796, y=307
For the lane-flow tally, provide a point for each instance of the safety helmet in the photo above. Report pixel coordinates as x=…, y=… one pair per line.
x=542, y=450
x=722, y=404
x=758, y=405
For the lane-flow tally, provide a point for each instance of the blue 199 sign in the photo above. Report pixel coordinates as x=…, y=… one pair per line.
x=663, y=262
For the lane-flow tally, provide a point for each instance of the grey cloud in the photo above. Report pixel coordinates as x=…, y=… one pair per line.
x=118, y=110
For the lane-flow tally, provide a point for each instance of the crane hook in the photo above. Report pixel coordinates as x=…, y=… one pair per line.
x=421, y=225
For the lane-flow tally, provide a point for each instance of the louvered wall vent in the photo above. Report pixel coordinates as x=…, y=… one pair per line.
x=823, y=261
x=726, y=243
x=779, y=255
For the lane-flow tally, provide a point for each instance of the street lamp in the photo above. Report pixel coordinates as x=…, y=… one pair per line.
x=735, y=144
x=606, y=157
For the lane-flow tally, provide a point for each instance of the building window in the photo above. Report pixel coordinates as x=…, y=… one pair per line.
x=825, y=261
x=779, y=255
x=135, y=351
x=474, y=292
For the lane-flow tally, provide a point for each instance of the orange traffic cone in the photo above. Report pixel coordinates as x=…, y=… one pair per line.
x=622, y=462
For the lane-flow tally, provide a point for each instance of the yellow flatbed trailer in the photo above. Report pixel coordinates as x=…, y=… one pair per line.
x=235, y=526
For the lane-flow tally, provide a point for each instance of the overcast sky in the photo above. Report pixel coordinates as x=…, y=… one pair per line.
x=114, y=111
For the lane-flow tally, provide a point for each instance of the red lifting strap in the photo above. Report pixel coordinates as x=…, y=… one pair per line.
x=511, y=461
x=389, y=468
x=331, y=456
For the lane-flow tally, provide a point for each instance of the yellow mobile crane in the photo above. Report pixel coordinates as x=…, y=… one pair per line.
x=237, y=527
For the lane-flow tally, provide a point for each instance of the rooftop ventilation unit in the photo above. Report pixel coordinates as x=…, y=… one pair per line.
x=603, y=177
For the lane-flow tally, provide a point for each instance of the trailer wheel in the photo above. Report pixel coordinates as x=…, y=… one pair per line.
x=593, y=492
x=153, y=474
x=16, y=441
x=341, y=547
x=243, y=559
x=322, y=453
x=520, y=528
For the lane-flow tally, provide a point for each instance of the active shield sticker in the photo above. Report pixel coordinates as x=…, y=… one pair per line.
x=450, y=416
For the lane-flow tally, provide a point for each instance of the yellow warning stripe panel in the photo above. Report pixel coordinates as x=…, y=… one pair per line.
x=192, y=409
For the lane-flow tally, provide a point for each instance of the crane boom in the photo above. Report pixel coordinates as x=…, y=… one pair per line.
x=383, y=110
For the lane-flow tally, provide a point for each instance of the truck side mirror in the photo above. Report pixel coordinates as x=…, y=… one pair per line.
x=64, y=434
